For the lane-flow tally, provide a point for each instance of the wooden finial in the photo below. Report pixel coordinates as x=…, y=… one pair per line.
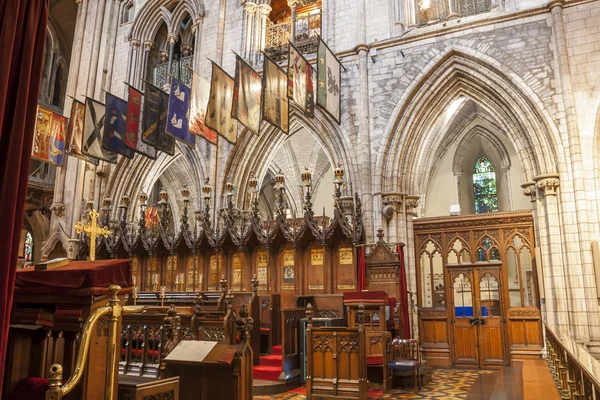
x=254, y=283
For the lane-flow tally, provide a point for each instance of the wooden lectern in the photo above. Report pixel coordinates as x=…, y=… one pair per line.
x=210, y=370
x=49, y=310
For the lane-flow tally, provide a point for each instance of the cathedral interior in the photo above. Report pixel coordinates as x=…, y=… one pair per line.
x=427, y=227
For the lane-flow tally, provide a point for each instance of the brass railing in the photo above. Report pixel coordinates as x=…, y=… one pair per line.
x=308, y=29
x=113, y=311
x=576, y=372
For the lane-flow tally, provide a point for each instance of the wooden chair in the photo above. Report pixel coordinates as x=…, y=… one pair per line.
x=406, y=356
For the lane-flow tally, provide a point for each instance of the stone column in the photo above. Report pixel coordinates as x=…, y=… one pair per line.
x=261, y=33
x=95, y=51
x=197, y=31
x=292, y=4
x=579, y=248
x=132, y=68
x=412, y=11
x=453, y=10
x=411, y=204
x=70, y=164
x=148, y=45
x=249, y=11
x=554, y=275
x=116, y=9
x=172, y=38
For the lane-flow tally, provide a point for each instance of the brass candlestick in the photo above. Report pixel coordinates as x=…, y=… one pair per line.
x=163, y=294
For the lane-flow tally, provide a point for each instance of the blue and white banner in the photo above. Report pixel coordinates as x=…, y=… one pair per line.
x=179, y=113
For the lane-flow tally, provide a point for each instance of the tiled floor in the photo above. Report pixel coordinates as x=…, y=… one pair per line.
x=532, y=381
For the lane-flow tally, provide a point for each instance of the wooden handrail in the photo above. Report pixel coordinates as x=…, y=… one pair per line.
x=575, y=370
x=114, y=311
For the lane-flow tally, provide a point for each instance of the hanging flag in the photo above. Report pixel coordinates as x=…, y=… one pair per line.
x=41, y=138
x=93, y=128
x=57, y=139
x=134, y=109
x=142, y=147
x=275, y=105
x=329, y=81
x=300, y=81
x=198, y=104
x=218, y=113
x=154, y=121
x=179, y=113
x=246, y=95
x=115, y=126
x=75, y=133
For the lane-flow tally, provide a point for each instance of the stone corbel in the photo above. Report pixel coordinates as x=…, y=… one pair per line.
x=547, y=184
x=148, y=45
x=392, y=201
x=187, y=49
x=411, y=203
x=58, y=209
x=529, y=190
x=172, y=38
x=134, y=43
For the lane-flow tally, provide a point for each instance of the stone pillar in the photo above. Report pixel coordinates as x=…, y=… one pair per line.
x=172, y=38
x=412, y=12
x=95, y=51
x=453, y=10
x=261, y=32
x=581, y=267
x=249, y=11
x=411, y=204
x=554, y=275
x=292, y=4
x=148, y=45
x=197, y=31
x=116, y=9
x=132, y=68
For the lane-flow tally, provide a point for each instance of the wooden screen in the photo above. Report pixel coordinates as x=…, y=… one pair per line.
x=476, y=287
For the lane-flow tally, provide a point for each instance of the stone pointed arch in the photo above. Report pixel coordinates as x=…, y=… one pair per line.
x=253, y=153
x=153, y=13
x=485, y=134
x=464, y=72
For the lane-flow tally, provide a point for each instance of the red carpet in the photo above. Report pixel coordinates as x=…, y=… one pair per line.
x=373, y=393
x=270, y=366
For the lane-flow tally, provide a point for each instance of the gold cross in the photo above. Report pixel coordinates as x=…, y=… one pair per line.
x=92, y=230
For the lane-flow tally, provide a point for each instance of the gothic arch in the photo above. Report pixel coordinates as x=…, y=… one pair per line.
x=153, y=13
x=255, y=152
x=497, y=145
x=463, y=72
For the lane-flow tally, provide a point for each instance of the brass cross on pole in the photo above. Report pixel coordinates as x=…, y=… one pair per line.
x=92, y=230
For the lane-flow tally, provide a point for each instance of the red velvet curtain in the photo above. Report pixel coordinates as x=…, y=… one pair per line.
x=403, y=295
x=22, y=39
x=361, y=270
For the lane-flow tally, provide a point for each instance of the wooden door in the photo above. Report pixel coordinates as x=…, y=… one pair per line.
x=464, y=331
x=489, y=311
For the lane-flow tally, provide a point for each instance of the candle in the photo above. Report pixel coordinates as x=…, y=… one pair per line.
x=135, y=292
x=134, y=278
x=163, y=291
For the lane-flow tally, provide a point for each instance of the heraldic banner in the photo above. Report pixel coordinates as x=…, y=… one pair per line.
x=275, y=106
x=246, y=95
x=179, y=113
x=93, y=129
x=218, y=115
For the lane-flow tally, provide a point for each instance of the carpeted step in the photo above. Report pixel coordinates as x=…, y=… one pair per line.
x=273, y=360
x=277, y=350
x=266, y=373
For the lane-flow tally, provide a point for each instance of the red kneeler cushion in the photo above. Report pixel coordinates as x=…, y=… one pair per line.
x=374, y=360
x=31, y=389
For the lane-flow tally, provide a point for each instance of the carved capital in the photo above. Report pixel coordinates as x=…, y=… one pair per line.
x=264, y=9
x=392, y=198
x=547, y=184
x=411, y=203
x=292, y=3
x=187, y=49
x=529, y=190
x=134, y=43
x=250, y=8
x=148, y=45
x=172, y=38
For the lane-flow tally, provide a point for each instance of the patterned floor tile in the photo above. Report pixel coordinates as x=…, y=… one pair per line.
x=445, y=384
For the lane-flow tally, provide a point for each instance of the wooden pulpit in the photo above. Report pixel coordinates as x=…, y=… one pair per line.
x=49, y=310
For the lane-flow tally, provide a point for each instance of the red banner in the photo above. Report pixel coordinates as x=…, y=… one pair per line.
x=134, y=106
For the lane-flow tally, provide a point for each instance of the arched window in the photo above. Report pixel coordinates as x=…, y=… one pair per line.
x=128, y=13
x=484, y=185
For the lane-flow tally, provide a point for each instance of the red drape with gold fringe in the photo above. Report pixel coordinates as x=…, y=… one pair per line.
x=403, y=294
x=22, y=40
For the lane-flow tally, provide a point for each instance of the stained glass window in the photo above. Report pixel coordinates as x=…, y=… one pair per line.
x=484, y=185
x=28, y=247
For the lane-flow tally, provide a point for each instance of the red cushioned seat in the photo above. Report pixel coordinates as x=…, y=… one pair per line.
x=374, y=360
